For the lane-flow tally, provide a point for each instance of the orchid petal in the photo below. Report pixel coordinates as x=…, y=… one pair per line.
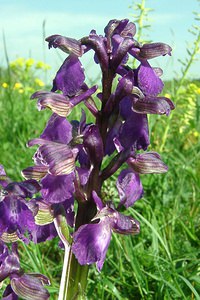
x=58, y=129
x=29, y=287
x=91, y=242
x=70, y=77
x=56, y=189
x=66, y=44
x=148, y=81
x=153, y=105
x=125, y=225
x=153, y=50
x=129, y=187
x=147, y=163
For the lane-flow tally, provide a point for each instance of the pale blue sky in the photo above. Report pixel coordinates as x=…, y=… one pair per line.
x=22, y=21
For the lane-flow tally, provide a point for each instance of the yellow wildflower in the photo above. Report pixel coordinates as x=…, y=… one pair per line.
x=19, y=62
x=167, y=95
x=191, y=101
x=5, y=85
x=21, y=91
x=192, y=86
x=17, y=86
x=29, y=62
x=42, y=65
x=39, y=82
x=29, y=89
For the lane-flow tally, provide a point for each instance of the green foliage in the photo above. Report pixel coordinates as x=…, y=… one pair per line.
x=141, y=18
x=20, y=120
x=163, y=261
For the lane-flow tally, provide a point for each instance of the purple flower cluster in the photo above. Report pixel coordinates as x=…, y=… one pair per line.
x=17, y=223
x=69, y=163
x=27, y=286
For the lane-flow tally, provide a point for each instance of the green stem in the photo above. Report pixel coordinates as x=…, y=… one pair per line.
x=76, y=279
x=141, y=19
x=63, y=281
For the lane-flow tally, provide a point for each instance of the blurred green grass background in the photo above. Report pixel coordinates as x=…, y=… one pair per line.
x=163, y=261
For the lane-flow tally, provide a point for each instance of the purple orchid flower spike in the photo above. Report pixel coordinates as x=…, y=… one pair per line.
x=75, y=158
x=91, y=241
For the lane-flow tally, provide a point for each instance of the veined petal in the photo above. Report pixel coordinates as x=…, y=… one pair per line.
x=38, y=141
x=66, y=44
x=124, y=224
x=9, y=237
x=58, y=103
x=128, y=30
x=122, y=27
x=147, y=163
x=59, y=157
x=129, y=187
x=110, y=27
x=109, y=31
x=35, y=172
x=62, y=107
x=44, y=213
x=153, y=105
x=153, y=50
x=29, y=287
